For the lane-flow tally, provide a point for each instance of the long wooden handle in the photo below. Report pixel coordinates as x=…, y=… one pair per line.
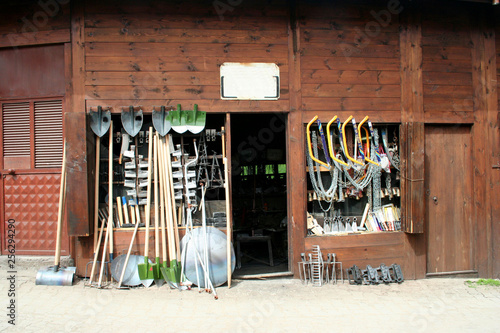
x=119, y=210
x=161, y=180
x=170, y=208
x=60, y=212
x=96, y=188
x=172, y=197
x=96, y=253
x=110, y=189
x=228, y=211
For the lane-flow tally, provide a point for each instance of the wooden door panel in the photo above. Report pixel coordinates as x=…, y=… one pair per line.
x=449, y=186
x=32, y=200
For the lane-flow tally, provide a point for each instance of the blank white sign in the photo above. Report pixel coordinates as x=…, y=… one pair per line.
x=249, y=81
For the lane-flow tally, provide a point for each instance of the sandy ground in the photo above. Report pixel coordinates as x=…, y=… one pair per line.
x=274, y=305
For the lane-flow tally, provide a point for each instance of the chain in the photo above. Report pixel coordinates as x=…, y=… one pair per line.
x=377, y=201
x=393, y=158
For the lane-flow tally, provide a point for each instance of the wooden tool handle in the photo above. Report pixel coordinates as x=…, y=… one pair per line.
x=60, y=212
x=119, y=210
x=96, y=188
x=110, y=187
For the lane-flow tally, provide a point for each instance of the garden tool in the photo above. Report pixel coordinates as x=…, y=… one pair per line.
x=309, y=145
x=58, y=275
x=330, y=144
x=178, y=120
x=161, y=121
x=132, y=120
x=195, y=120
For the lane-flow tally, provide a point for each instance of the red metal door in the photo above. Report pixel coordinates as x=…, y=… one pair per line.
x=31, y=171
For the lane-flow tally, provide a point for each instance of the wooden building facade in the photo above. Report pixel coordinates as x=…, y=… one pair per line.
x=429, y=68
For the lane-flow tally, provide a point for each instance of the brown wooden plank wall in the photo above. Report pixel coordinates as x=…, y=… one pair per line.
x=447, y=64
x=30, y=22
x=350, y=60
x=163, y=53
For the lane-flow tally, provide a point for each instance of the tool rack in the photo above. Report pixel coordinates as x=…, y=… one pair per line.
x=349, y=207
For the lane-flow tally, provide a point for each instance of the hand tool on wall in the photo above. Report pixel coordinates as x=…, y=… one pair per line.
x=346, y=151
x=195, y=120
x=132, y=120
x=161, y=121
x=309, y=144
x=178, y=120
x=360, y=142
x=58, y=275
x=330, y=144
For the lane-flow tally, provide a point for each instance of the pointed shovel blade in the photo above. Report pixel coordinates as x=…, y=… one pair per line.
x=100, y=121
x=132, y=121
x=161, y=121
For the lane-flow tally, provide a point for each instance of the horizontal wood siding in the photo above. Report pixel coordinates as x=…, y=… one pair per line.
x=164, y=53
x=349, y=61
x=447, y=65
x=361, y=250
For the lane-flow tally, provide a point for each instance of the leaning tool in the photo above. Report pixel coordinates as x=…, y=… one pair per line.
x=58, y=275
x=146, y=270
x=229, y=245
x=100, y=122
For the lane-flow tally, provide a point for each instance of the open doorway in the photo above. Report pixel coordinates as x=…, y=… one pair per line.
x=259, y=193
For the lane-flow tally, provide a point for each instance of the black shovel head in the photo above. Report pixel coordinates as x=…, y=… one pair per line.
x=132, y=121
x=161, y=121
x=100, y=121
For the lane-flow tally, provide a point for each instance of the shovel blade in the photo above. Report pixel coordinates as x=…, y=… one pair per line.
x=161, y=121
x=195, y=120
x=100, y=121
x=132, y=121
x=55, y=276
x=178, y=119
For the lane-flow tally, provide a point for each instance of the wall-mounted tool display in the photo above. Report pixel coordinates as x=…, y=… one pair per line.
x=138, y=159
x=353, y=178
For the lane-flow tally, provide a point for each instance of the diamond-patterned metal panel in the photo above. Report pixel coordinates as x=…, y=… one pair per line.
x=32, y=201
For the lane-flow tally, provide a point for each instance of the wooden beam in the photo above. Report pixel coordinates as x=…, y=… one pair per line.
x=76, y=132
x=412, y=139
x=35, y=38
x=296, y=168
x=486, y=137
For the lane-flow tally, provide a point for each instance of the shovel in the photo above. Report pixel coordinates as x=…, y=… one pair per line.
x=58, y=275
x=178, y=119
x=171, y=274
x=195, y=120
x=132, y=121
x=100, y=121
x=161, y=121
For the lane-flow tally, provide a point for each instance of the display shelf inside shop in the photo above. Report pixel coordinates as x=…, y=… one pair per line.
x=340, y=208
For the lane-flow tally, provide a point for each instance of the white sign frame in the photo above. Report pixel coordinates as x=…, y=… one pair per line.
x=249, y=81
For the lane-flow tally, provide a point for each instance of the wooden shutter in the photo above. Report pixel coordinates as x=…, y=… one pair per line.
x=48, y=134
x=412, y=177
x=16, y=135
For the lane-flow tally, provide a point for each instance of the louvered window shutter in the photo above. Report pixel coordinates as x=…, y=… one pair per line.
x=16, y=135
x=48, y=134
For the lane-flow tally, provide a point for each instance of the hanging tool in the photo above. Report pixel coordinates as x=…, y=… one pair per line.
x=195, y=120
x=58, y=275
x=309, y=145
x=132, y=120
x=346, y=151
x=178, y=120
x=365, y=154
x=330, y=144
x=161, y=121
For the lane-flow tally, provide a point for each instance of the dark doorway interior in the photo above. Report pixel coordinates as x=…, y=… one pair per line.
x=259, y=190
